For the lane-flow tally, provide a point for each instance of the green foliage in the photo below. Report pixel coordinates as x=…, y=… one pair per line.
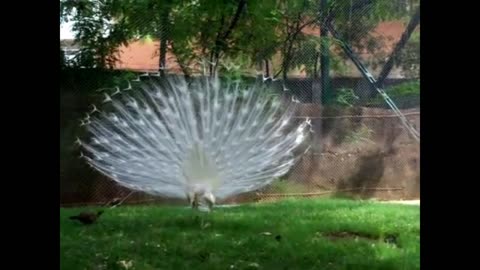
x=295, y=17
x=345, y=97
x=204, y=29
x=62, y=58
x=342, y=97
x=233, y=68
x=361, y=135
x=210, y=30
x=406, y=94
x=355, y=22
x=99, y=27
x=409, y=57
x=90, y=80
x=306, y=56
x=410, y=88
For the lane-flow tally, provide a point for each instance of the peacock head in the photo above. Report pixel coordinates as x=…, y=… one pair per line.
x=201, y=200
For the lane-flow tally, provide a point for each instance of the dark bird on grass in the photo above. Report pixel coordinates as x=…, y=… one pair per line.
x=87, y=217
x=115, y=202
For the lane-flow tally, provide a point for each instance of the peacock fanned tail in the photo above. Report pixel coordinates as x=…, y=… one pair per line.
x=170, y=137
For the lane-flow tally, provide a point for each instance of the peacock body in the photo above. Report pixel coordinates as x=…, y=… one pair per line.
x=201, y=139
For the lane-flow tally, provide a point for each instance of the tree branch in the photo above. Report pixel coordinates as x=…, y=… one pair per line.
x=184, y=69
x=220, y=43
x=414, y=21
x=235, y=19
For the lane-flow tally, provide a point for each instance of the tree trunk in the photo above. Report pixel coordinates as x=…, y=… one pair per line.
x=267, y=68
x=164, y=33
x=320, y=87
x=324, y=53
x=163, y=54
x=221, y=41
x=387, y=68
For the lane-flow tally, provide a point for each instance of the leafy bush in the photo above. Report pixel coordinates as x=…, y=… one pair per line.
x=345, y=97
x=404, y=95
x=411, y=88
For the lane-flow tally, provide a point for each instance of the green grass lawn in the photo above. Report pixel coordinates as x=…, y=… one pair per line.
x=292, y=234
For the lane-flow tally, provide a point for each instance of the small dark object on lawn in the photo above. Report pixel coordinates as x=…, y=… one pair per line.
x=391, y=239
x=204, y=256
x=278, y=237
x=115, y=202
x=87, y=217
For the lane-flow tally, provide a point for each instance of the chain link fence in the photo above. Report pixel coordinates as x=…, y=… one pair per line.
x=342, y=60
